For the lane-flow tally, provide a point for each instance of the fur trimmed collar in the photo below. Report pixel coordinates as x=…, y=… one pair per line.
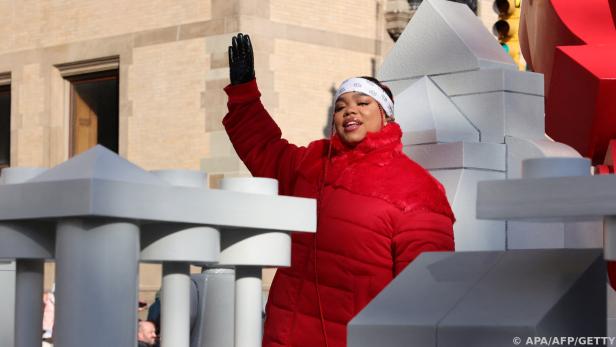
x=388, y=138
x=378, y=168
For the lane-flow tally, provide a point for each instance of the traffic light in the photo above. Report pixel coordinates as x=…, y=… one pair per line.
x=506, y=28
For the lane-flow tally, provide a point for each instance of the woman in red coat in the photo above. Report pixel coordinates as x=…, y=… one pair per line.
x=376, y=209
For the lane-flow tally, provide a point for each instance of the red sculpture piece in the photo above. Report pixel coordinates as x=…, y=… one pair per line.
x=573, y=44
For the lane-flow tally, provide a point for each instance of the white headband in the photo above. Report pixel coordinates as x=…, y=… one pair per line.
x=369, y=88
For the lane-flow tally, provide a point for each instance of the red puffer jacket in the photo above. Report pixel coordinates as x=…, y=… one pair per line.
x=377, y=210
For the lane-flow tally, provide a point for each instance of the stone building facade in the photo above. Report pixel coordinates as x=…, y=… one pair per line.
x=169, y=59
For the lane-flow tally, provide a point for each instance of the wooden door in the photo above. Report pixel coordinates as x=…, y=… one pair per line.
x=85, y=122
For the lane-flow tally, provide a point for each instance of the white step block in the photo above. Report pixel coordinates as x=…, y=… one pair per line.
x=529, y=235
x=485, y=112
x=587, y=234
x=7, y=265
x=555, y=167
x=500, y=114
x=426, y=115
x=519, y=149
x=490, y=80
x=524, y=115
x=442, y=37
x=457, y=155
x=470, y=233
x=537, y=235
x=399, y=86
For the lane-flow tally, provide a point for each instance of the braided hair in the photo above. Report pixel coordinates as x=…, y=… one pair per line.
x=385, y=89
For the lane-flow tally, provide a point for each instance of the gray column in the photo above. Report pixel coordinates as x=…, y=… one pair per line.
x=96, y=283
x=28, y=301
x=218, y=324
x=30, y=245
x=249, y=250
x=175, y=305
x=248, y=306
x=177, y=246
x=93, y=206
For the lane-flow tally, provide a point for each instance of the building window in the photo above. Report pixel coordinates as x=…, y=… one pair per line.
x=94, y=111
x=5, y=126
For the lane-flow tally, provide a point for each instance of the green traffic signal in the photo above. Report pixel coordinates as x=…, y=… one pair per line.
x=505, y=47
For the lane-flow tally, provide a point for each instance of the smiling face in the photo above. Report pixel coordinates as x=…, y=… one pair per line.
x=355, y=115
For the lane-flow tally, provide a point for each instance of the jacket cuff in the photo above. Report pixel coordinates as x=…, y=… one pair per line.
x=243, y=92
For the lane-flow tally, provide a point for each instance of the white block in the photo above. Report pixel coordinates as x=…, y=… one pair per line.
x=498, y=114
x=450, y=179
x=457, y=155
x=7, y=302
x=398, y=86
x=534, y=235
x=611, y=309
x=426, y=115
x=490, y=80
x=524, y=115
x=485, y=111
x=580, y=198
x=519, y=149
x=555, y=167
x=254, y=247
x=529, y=235
x=7, y=265
x=611, y=327
x=584, y=234
x=443, y=37
x=470, y=233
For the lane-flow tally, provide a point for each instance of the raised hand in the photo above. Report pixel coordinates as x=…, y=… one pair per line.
x=241, y=60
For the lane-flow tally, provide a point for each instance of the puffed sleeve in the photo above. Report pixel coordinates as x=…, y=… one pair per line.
x=420, y=231
x=257, y=139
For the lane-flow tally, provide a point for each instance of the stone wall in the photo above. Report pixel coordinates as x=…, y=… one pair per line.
x=172, y=61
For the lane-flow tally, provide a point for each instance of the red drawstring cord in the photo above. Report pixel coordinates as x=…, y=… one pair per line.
x=319, y=205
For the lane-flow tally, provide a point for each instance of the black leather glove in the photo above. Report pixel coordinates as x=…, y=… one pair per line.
x=241, y=60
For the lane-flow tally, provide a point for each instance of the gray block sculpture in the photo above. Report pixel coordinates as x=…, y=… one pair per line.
x=556, y=190
x=455, y=28
x=176, y=246
x=487, y=299
x=30, y=243
x=214, y=300
x=242, y=256
x=249, y=251
x=428, y=116
x=467, y=114
x=99, y=205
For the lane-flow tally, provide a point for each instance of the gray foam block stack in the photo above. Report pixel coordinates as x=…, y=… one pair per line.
x=468, y=115
x=487, y=299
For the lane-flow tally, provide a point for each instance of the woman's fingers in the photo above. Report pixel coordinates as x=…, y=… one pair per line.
x=234, y=48
x=241, y=48
x=248, y=48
